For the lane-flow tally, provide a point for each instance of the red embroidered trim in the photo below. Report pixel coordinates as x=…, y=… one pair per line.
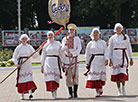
x=52, y=73
x=71, y=42
x=26, y=74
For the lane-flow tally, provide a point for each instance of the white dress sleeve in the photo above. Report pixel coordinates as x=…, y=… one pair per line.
x=32, y=51
x=110, y=48
x=61, y=55
x=129, y=48
x=16, y=55
x=87, y=54
x=43, y=57
x=64, y=47
x=106, y=52
x=79, y=47
x=61, y=52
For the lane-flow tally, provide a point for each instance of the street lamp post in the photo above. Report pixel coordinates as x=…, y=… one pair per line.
x=19, y=17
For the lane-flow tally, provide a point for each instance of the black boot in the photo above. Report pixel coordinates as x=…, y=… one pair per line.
x=70, y=92
x=75, y=91
x=30, y=97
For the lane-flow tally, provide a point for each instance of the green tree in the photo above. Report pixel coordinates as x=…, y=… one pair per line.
x=83, y=13
x=8, y=12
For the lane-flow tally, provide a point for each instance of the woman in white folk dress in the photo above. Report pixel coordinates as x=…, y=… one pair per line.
x=119, y=50
x=25, y=83
x=50, y=61
x=96, y=60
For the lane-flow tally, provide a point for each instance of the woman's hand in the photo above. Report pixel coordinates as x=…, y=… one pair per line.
x=110, y=63
x=106, y=62
x=87, y=66
x=39, y=49
x=131, y=62
x=19, y=66
x=42, y=70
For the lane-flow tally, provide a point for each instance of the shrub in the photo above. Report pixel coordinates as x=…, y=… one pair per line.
x=6, y=54
x=2, y=64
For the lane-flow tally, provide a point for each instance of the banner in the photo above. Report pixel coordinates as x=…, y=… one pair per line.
x=37, y=37
x=10, y=37
x=106, y=34
x=59, y=11
x=85, y=30
x=132, y=33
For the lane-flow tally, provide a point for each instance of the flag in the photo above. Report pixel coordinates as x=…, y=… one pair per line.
x=59, y=11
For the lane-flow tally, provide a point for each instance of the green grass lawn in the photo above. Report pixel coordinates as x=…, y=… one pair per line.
x=82, y=62
x=36, y=64
x=135, y=53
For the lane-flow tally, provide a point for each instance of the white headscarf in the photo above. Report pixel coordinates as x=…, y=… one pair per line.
x=50, y=32
x=24, y=36
x=91, y=35
x=118, y=25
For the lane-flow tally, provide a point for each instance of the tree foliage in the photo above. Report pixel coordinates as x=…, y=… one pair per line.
x=83, y=12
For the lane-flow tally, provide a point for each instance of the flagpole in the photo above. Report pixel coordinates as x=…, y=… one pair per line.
x=19, y=17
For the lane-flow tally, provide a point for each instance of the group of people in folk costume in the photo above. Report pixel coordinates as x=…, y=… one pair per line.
x=57, y=57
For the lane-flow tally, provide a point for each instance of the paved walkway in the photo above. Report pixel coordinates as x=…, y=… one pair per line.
x=8, y=92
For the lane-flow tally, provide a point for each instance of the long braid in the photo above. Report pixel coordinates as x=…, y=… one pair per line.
x=123, y=33
x=124, y=36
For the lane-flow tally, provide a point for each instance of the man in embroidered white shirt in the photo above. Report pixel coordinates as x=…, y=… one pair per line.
x=73, y=47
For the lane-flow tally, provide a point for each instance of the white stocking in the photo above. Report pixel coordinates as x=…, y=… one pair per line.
x=30, y=92
x=123, y=90
x=22, y=96
x=119, y=92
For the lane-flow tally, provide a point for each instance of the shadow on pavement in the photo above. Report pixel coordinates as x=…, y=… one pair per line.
x=127, y=96
x=102, y=98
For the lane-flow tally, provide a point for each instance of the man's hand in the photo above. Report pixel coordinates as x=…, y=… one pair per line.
x=66, y=44
x=70, y=54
